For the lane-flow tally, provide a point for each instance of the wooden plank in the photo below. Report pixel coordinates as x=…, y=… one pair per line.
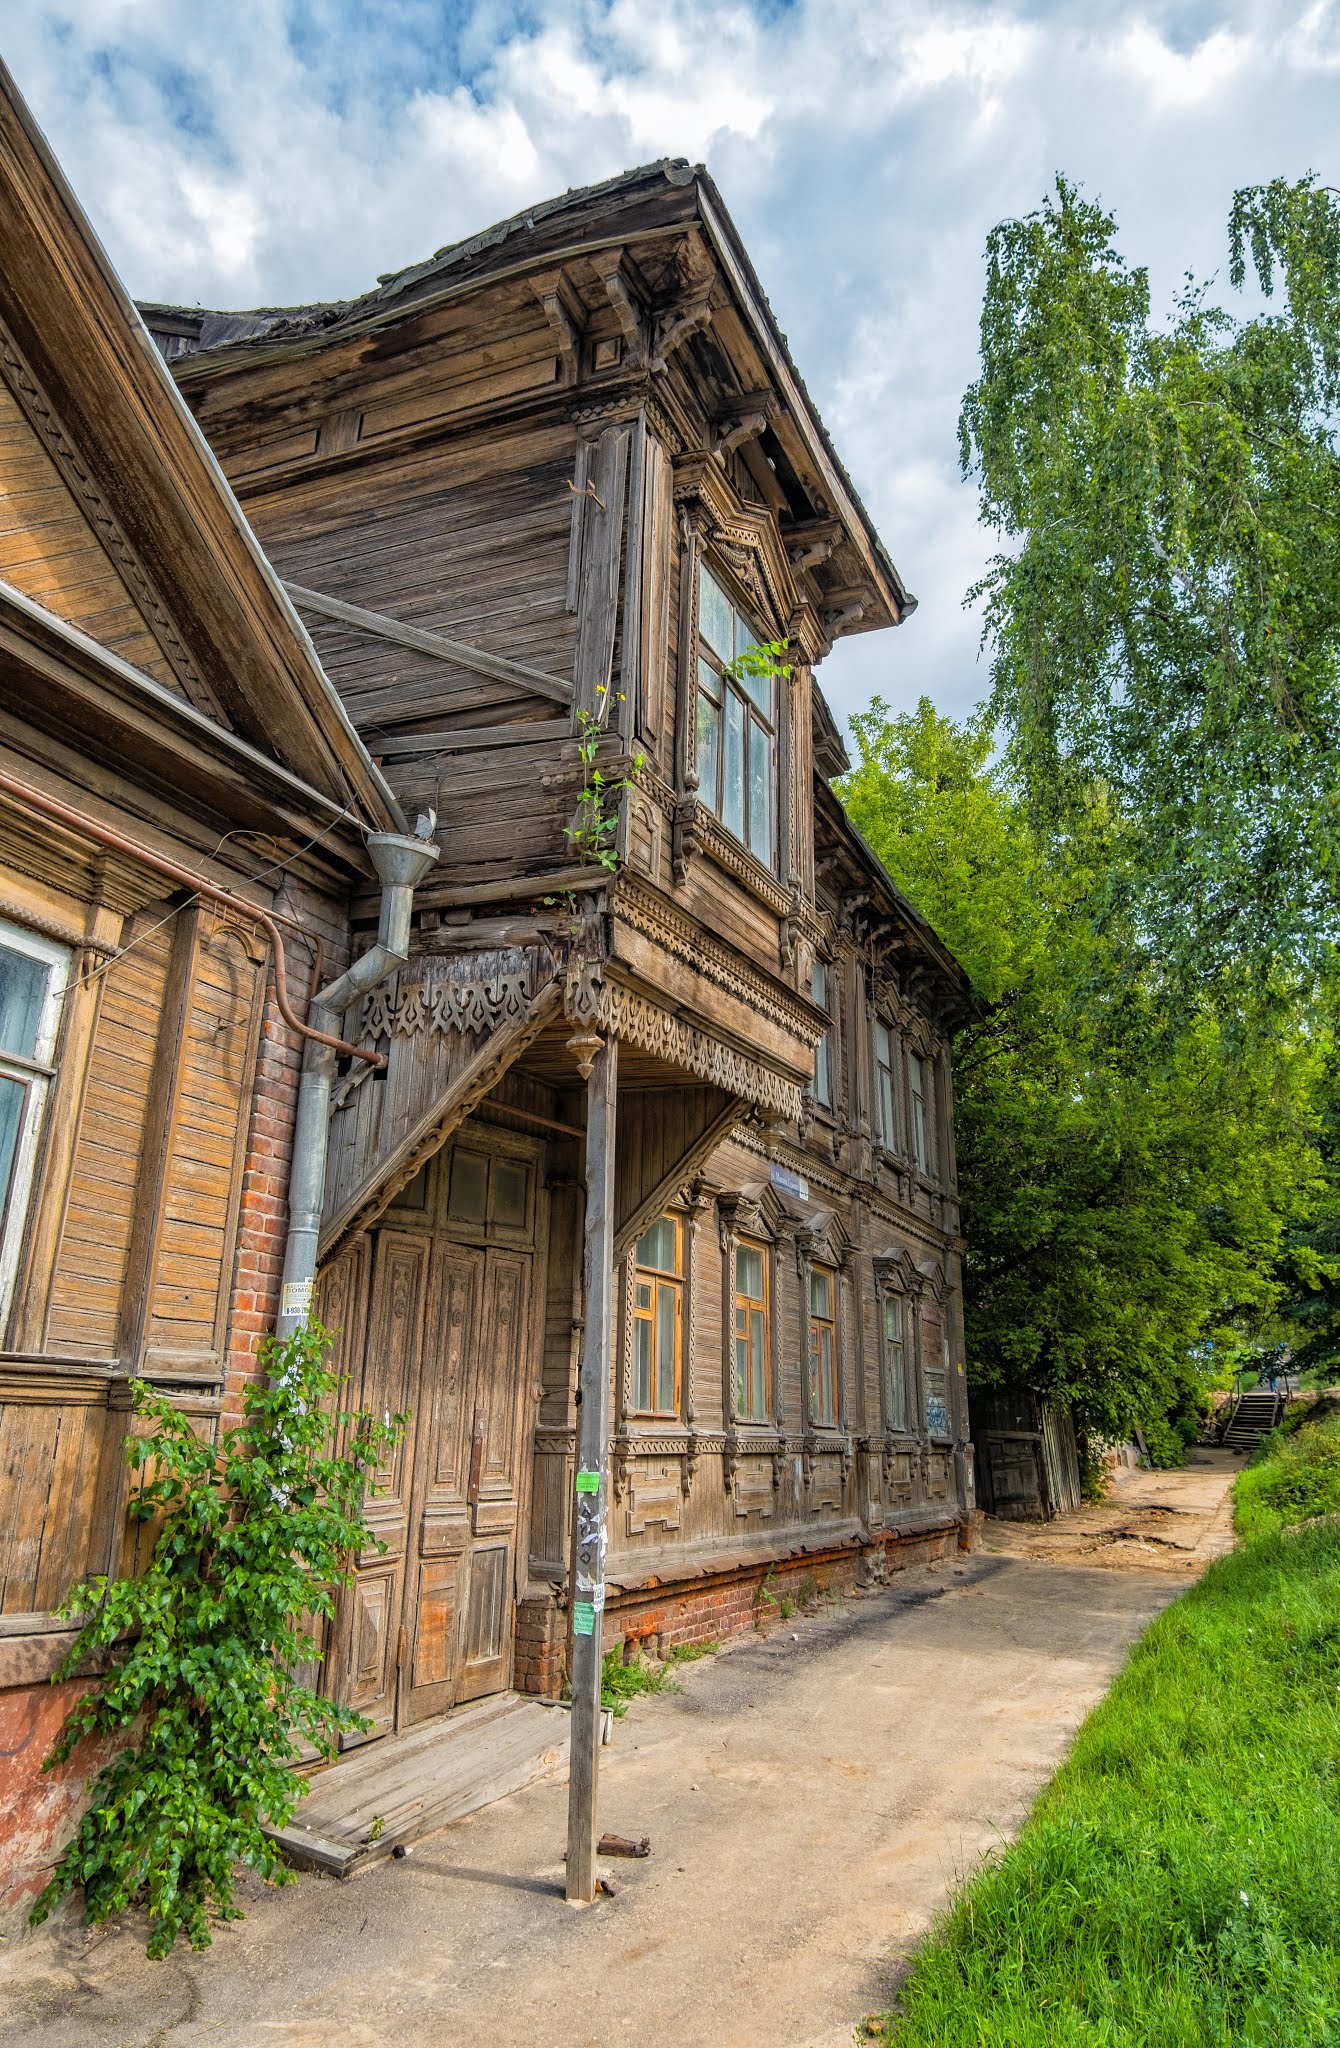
x=602, y=551
x=458, y=651
x=465, y=739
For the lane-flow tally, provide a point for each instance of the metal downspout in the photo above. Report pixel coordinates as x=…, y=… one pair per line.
x=400, y=863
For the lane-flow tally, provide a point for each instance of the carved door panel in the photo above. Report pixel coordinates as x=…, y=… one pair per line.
x=498, y=1410
x=469, y=1478
x=438, y=1569
x=385, y=1380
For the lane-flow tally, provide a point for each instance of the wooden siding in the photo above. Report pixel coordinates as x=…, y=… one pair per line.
x=91, y=1264
x=50, y=551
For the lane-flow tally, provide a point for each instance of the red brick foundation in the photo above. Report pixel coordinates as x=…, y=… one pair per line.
x=723, y=1602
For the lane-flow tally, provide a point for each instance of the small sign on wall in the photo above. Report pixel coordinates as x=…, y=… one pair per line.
x=790, y=1182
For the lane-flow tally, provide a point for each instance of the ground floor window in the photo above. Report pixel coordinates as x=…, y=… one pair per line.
x=823, y=1344
x=752, y=1390
x=33, y=974
x=658, y=1317
x=895, y=1373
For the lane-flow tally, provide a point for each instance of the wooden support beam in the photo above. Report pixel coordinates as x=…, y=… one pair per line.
x=591, y=1496
x=458, y=651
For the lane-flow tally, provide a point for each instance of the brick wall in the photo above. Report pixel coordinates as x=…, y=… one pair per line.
x=723, y=1604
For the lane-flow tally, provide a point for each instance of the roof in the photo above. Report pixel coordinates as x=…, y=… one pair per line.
x=533, y=235
x=92, y=360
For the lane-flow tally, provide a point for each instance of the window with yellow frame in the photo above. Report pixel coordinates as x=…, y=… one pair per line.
x=823, y=1344
x=752, y=1376
x=658, y=1317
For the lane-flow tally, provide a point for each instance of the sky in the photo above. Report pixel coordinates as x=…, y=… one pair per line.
x=260, y=152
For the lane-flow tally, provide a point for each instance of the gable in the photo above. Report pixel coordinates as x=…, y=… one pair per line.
x=61, y=546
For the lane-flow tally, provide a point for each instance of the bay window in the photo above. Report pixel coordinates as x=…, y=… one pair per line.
x=736, y=724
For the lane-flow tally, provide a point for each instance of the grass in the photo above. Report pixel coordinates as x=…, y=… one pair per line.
x=622, y=1682
x=1178, y=1883
x=1294, y=1474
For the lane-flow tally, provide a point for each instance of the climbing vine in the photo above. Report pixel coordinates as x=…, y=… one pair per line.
x=205, y=1688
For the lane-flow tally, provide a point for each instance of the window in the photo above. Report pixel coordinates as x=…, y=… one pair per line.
x=737, y=725
x=658, y=1317
x=32, y=981
x=917, y=1080
x=895, y=1372
x=823, y=1055
x=823, y=1344
x=751, y=1332
x=488, y=1190
x=937, y=1395
x=886, y=1100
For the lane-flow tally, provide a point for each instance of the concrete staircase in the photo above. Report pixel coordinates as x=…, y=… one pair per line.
x=1248, y=1422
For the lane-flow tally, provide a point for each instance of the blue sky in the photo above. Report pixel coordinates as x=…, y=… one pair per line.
x=243, y=152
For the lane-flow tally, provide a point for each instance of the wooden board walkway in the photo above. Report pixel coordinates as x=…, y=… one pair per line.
x=391, y=1793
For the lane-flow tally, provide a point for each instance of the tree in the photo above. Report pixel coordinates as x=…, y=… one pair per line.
x=1164, y=616
x=1126, y=1166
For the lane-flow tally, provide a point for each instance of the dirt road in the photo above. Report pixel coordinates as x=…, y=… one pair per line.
x=810, y=1797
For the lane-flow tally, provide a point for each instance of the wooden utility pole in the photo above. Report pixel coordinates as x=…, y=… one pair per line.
x=591, y=1499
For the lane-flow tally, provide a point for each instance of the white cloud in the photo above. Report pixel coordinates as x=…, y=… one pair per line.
x=284, y=150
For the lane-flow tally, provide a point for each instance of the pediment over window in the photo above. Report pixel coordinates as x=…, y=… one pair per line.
x=822, y=1238
x=755, y=1210
x=897, y=1272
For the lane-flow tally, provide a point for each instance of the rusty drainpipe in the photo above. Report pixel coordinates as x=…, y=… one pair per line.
x=400, y=862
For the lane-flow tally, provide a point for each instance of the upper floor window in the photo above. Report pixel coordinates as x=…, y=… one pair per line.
x=886, y=1098
x=823, y=1052
x=736, y=725
x=895, y=1364
x=917, y=1081
x=33, y=973
x=658, y=1317
x=823, y=1344
x=751, y=1331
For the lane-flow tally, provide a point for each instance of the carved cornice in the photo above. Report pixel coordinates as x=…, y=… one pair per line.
x=697, y=830
x=684, y=937
x=637, y=1020
x=45, y=422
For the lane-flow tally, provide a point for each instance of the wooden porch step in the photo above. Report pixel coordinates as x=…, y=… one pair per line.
x=392, y=1792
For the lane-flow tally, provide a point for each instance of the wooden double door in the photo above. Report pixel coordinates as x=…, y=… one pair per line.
x=442, y=1327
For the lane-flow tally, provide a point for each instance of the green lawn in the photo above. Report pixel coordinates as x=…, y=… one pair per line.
x=1178, y=1883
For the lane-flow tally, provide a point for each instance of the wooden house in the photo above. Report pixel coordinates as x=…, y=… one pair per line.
x=183, y=810
x=533, y=498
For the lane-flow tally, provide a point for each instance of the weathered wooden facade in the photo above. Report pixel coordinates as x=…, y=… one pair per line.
x=558, y=478
x=181, y=795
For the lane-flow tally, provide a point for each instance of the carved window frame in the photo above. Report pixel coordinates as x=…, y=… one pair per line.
x=890, y=1098
x=32, y=1072
x=742, y=1219
x=705, y=537
x=897, y=1280
x=651, y=1419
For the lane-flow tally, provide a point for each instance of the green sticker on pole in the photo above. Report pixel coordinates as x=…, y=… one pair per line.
x=588, y=1482
x=583, y=1618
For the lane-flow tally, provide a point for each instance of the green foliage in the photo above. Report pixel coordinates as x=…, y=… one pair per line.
x=1127, y=1165
x=1178, y=1883
x=204, y=1688
x=1294, y=1476
x=763, y=661
x=622, y=1682
x=594, y=835
x=1165, y=614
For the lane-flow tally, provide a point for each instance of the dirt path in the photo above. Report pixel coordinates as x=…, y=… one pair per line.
x=1150, y=1521
x=809, y=1797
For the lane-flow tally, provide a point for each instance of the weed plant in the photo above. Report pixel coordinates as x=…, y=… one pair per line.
x=622, y=1682
x=1178, y=1884
x=1294, y=1474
